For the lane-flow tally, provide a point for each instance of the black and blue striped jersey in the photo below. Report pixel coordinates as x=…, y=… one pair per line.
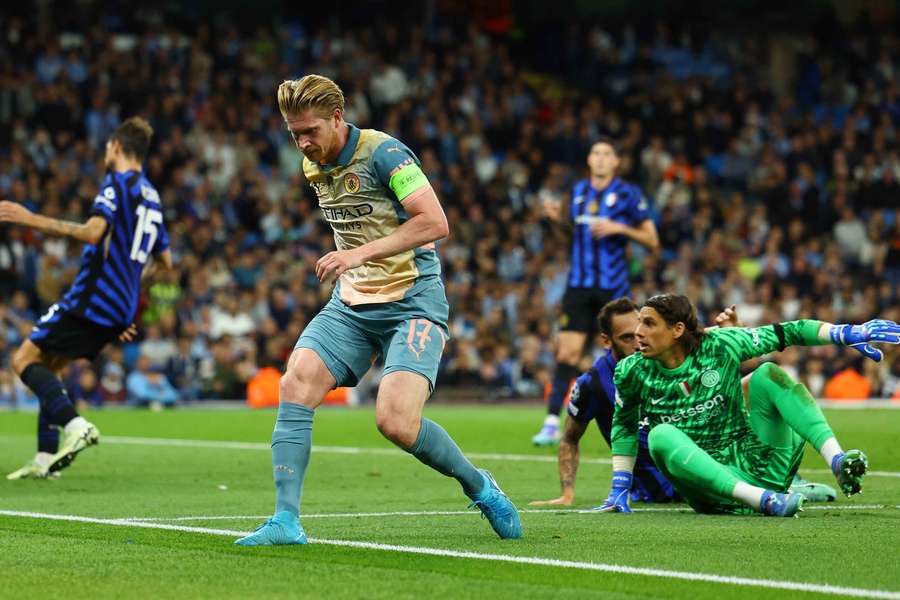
x=107, y=288
x=593, y=397
x=601, y=263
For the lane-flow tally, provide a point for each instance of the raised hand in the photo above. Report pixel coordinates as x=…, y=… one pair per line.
x=860, y=337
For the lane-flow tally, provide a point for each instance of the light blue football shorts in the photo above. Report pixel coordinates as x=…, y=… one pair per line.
x=410, y=334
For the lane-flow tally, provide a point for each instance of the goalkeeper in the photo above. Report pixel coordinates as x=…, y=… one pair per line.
x=721, y=458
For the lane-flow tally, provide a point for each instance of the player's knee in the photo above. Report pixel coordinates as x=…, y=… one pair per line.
x=396, y=427
x=776, y=375
x=21, y=358
x=568, y=355
x=661, y=439
x=296, y=385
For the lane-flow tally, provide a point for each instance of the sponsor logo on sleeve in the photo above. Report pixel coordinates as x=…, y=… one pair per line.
x=107, y=199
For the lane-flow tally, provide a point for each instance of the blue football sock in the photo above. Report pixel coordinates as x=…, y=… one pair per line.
x=291, y=444
x=47, y=436
x=436, y=448
x=55, y=403
x=562, y=380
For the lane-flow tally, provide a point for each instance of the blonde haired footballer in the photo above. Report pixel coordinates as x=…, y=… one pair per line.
x=389, y=300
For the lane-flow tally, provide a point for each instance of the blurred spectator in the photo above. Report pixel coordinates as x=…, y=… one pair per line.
x=82, y=385
x=848, y=384
x=147, y=386
x=778, y=197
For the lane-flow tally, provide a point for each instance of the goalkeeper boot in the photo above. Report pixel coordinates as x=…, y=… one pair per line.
x=849, y=468
x=549, y=434
x=282, y=529
x=36, y=468
x=776, y=504
x=77, y=435
x=814, y=492
x=499, y=510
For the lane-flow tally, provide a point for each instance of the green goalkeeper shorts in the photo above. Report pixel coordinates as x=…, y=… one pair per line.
x=409, y=334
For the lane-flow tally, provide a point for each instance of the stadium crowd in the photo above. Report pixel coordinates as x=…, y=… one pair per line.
x=774, y=170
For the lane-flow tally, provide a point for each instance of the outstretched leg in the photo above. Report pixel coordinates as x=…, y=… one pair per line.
x=706, y=484
x=782, y=408
x=38, y=371
x=398, y=415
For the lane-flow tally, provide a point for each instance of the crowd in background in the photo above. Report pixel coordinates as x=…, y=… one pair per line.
x=773, y=169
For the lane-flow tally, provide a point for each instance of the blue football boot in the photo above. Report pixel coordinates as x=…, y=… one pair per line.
x=497, y=508
x=776, y=504
x=283, y=528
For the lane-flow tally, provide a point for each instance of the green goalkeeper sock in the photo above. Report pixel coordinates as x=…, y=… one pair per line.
x=685, y=463
x=291, y=444
x=778, y=404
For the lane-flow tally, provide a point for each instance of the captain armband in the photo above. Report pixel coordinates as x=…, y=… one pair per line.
x=406, y=180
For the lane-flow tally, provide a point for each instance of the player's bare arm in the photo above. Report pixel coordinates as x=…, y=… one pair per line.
x=89, y=232
x=427, y=223
x=156, y=265
x=569, y=453
x=644, y=234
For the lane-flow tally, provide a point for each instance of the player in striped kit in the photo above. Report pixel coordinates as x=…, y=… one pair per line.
x=605, y=213
x=124, y=229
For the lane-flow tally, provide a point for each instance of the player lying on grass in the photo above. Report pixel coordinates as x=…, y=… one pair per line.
x=720, y=457
x=592, y=397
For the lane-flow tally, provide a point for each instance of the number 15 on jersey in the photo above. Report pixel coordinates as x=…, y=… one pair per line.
x=148, y=223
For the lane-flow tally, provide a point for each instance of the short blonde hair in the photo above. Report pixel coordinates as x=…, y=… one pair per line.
x=312, y=92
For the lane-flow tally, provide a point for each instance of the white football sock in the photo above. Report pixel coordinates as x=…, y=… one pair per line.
x=829, y=450
x=748, y=494
x=551, y=420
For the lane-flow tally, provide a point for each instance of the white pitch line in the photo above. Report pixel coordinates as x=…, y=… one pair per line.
x=454, y=513
x=868, y=473
x=528, y=560
x=225, y=445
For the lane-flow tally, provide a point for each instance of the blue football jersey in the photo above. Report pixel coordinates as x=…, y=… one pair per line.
x=107, y=288
x=593, y=397
x=601, y=263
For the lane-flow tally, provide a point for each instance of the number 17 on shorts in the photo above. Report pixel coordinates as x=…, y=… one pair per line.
x=417, y=345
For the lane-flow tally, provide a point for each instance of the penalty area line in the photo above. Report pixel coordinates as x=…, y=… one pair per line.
x=527, y=560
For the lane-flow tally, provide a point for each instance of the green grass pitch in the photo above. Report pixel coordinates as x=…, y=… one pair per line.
x=853, y=543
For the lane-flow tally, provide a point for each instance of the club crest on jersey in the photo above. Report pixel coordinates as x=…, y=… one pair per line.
x=611, y=199
x=710, y=378
x=351, y=183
